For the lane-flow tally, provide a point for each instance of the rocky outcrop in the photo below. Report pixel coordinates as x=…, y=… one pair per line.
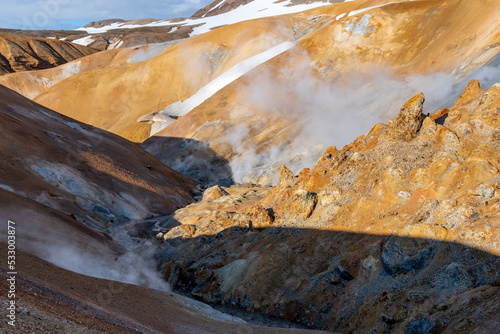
x=409, y=121
x=397, y=232
x=213, y=193
x=287, y=179
x=303, y=203
x=22, y=53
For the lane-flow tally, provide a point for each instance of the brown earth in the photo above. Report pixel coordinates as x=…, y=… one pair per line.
x=95, y=176
x=57, y=34
x=229, y=5
x=124, y=38
x=21, y=53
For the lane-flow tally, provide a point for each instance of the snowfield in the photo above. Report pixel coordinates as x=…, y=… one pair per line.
x=181, y=108
x=84, y=41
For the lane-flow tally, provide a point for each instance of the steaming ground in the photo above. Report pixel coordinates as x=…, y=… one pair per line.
x=316, y=113
x=335, y=113
x=131, y=267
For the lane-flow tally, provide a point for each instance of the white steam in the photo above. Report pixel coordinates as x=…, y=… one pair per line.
x=150, y=51
x=128, y=268
x=335, y=112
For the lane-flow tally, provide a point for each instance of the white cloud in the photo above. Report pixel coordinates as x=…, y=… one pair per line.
x=64, y=14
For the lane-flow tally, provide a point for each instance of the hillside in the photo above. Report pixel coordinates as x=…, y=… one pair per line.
x=22, y=53
x=89, y=174
x=137, y=89
x=59, y=301
x=133, y=89
x=33, y=83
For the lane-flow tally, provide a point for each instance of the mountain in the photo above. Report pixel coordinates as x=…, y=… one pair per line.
x=140, y=88
x=296, y=164
x=118, y=33
x=286, y=110
x=396, y=232
x=129, y=37
x=33, y=83
x=219, y=7
x=346, y=49
x=230, y=12
x=22, y=53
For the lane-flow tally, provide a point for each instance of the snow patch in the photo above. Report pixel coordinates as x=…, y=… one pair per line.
x=84, y=41
x=181, y=108
x=217, y=6
x=4, y=187
x=115, y=45
x=253, y=10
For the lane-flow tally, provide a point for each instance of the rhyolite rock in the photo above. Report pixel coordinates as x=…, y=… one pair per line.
x=398, y=232
x=409, y=120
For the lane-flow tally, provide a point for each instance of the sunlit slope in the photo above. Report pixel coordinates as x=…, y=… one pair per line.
x=417, y=36
x=325, y=85
x=32, y=83
x=113, y=98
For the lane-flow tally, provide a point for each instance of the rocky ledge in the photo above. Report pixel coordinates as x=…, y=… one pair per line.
x=396, y=232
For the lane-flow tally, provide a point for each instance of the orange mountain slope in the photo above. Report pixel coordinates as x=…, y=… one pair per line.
x=33, y=83
x=122, y=94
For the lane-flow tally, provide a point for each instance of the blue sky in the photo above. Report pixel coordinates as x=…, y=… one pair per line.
x=71, y=14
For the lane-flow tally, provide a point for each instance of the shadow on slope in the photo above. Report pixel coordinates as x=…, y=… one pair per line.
x=347, y=282
x=193, y=158
x=54, y=300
